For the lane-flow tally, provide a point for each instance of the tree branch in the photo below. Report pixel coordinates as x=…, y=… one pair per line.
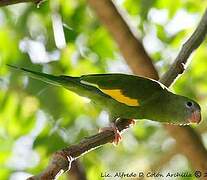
x=61, y=161
x=188, y=47
x=10, y=2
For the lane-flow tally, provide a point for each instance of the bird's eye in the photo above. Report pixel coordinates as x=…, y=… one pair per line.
x=189, y=104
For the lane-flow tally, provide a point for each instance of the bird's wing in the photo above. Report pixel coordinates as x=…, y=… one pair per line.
x=128, y=89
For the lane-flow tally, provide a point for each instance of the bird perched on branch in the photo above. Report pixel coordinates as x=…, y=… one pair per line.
x=127, y=97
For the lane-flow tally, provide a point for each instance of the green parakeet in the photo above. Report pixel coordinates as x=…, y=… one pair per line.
x=128, y=96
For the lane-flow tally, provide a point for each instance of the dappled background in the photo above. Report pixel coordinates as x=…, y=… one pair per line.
x=65, y=37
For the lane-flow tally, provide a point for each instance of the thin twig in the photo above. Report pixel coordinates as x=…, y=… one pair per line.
x=10, y=2
x=188, y=47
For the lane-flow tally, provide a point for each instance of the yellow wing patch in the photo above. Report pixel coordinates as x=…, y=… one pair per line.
x=118, y=95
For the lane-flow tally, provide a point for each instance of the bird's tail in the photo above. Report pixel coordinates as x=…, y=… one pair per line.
x=71, y=83
x=51, y=79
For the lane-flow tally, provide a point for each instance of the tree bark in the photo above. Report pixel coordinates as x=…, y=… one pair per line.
x=10, y=2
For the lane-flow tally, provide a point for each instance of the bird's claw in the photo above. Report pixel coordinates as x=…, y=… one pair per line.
x=117, y=134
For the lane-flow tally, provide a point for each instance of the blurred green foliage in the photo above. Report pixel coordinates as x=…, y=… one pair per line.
x=37, y=119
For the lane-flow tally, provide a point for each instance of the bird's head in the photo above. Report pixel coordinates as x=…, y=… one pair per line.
x=183, y=110
x=174, y=109
x=193, y=112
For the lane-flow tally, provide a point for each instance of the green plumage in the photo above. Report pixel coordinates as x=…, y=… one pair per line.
x=128, y=96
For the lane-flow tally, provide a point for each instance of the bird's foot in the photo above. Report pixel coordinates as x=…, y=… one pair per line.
x=116, y=131
x=117, y=134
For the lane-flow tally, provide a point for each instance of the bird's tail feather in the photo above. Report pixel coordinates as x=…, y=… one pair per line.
x=69, y=82
x=51, y=79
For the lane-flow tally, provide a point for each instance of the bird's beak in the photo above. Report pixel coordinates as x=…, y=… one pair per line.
x=195, y=117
